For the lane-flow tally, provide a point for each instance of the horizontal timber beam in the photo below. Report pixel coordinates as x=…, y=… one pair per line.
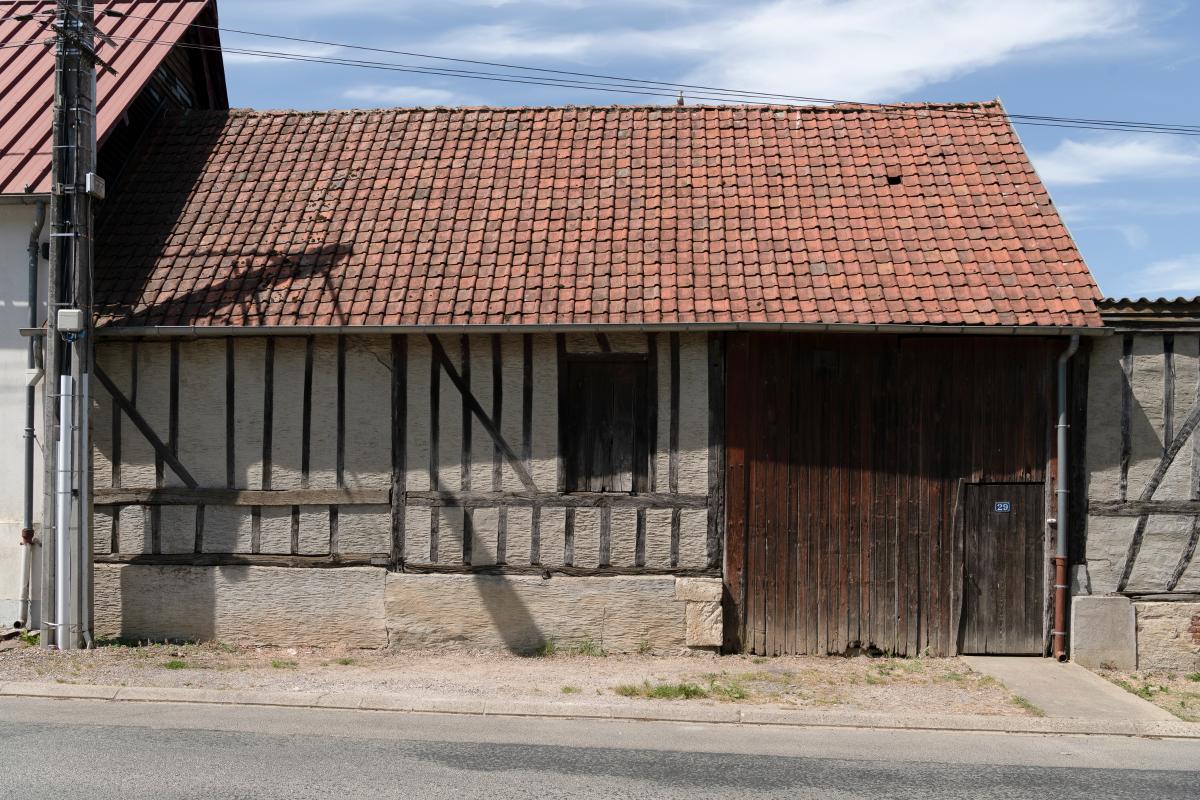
x=246, y=560
x=546, y=572
x=1137, y=508
x=381, y=560
x=241, y=497
x=554, y=500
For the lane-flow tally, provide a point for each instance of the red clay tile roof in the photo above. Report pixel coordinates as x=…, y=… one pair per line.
x=135, y=48
x=620, y=215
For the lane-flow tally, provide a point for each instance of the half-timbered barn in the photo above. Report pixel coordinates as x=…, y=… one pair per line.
x=769, y=379
x=1137, y=579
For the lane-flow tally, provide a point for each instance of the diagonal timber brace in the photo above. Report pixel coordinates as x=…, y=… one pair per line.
x=140, y=423
x=489, y=425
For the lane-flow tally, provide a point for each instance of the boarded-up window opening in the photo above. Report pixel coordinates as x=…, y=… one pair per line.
x=605, y=433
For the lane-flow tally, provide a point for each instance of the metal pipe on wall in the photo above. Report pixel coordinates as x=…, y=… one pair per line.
x=64, y=602
x=34, y=253
x=84, y=513
x=1062, y=493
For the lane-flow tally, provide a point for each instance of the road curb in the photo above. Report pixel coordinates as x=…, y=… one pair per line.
x=721, y=715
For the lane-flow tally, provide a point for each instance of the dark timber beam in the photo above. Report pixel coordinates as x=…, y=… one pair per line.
x=167, y=496
x=160, y=448
x=555, y=500
x=514, y=461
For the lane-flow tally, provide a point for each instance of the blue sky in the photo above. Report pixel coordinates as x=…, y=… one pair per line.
x=1131, y=201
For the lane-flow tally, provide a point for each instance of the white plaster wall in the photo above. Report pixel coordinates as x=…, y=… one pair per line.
x=16, y=221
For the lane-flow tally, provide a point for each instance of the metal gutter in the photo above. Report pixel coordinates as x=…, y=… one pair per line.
x=30, y=434
x=1061, y=493
x=29, y=199
x=195, y=331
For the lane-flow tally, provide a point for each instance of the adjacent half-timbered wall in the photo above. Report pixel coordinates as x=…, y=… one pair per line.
x=1143, y=458
x=416, y=452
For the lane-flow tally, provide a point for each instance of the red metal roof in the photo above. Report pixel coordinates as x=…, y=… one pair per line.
x=27, y=76
x=639, y=216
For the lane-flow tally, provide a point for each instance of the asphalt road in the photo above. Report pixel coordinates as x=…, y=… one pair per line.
x=87, y=749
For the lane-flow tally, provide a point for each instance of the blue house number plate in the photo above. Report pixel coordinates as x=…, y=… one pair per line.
x=1002, y=507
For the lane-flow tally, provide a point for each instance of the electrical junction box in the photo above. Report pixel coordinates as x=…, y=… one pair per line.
x=70, y=320
x=94, y=185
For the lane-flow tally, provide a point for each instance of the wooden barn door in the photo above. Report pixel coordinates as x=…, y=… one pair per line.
x=844, y=461
x=1002, y=566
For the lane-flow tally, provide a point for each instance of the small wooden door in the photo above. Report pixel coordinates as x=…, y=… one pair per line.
x=1003, y=568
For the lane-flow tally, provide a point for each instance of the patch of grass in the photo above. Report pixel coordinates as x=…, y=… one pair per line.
x=758, y=660
x=30, y=638
x=661, y=691
x=644, y=647
x=1194, y=676
x=284, y=664
x=175, y=663
x=953, y=676
x=547, y=649
x=727, y=690
x=1145, y=691
x=589, y=648
x=1021, y=702
x=345, y=662
x=570, y=690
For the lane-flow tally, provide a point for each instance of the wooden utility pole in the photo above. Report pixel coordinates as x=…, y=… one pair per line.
x=66, y=524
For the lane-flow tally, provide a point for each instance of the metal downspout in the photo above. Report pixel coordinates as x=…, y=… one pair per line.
x=35, y=246
x=1061, y=492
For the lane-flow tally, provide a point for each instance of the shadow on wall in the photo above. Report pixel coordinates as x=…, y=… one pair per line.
x=510, y=616
x=147, y=275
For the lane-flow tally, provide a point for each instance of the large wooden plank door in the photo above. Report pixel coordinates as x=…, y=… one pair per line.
x=1003, y=568
x=845, y=458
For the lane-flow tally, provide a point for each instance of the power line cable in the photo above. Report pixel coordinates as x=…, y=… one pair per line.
x=629, y=86
x=741, y=93
x=638, y=91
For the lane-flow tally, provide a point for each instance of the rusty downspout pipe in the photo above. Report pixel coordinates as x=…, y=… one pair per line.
x=35, y=246
x=1062, y=494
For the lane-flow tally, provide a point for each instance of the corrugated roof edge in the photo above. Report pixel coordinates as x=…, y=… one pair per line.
x=1148, y=315
x=1114, y=302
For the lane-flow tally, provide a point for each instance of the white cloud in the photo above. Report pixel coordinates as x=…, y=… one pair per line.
x=380, y=95
x=1134, y=235
x=300, y=49
x=1099, y=207
x=1170, y=277
x=879, y=49
x=1148, y=156
x=511, y=41
x=852, y=49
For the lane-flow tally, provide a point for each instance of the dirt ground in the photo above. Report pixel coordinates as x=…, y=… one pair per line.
x=1177, y=692
x=932, y=686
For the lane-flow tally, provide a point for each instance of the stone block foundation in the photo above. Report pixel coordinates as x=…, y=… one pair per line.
x=371, y=607
x=1168, y=636
x=1103, y=634
x=243, y=605
x=522, y=614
